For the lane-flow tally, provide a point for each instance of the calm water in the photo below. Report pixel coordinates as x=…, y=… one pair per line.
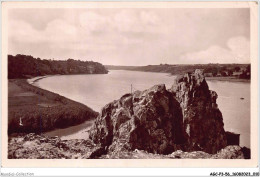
x=97, y=90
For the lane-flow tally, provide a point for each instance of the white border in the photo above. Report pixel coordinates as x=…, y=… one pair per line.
x=140, y=162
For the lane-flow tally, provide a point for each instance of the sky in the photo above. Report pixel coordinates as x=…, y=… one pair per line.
x=131, y=36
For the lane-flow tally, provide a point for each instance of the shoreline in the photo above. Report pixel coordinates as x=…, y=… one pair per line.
x=79, y=131
x=227, y=78
x=231, y=79
x=33, y=80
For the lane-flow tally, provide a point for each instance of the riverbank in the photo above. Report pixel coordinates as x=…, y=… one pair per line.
x=231, y=79
x=32, y=109
x=226, y=78
x=80, y=131
x=36, y=79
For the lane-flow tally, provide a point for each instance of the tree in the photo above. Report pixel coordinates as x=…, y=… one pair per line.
x=248, y=68
x=223, y=73
x=237, y=68
x=230, y=72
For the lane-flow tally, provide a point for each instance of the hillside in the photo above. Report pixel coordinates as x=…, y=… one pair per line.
x=238, y=70
x=26, y=66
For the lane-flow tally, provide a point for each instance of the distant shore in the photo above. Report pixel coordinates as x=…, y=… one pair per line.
x=232, y=79
x=226, y=78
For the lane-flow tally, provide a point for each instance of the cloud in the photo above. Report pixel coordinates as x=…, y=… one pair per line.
x=58, y=27
x=122, y=21
x=240, y=48
x=132, y=36
x=91, y=21
x=136, y=21
x=149, y=18
x=55, y=31
x=237, y=51
x=22, y=31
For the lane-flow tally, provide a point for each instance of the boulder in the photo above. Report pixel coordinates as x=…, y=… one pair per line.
x=157, y=120
x=232, y=138
x=33, y=146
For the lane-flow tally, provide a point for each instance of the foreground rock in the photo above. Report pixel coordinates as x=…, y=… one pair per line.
x=34, y=146
x=229, y=152
x=158, y=120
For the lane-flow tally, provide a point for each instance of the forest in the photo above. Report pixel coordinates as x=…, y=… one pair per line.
x=26, y=66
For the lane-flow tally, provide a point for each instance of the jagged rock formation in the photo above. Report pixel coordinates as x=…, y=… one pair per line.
x=33, y=146
x=150, y=120
x=185, y=117
x=203, y=122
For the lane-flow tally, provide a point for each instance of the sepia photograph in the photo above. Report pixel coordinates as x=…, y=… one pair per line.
x=130, y=81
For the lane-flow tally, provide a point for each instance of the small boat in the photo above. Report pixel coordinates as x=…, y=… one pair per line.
x=242, y=98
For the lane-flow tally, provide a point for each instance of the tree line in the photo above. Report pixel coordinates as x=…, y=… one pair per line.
x=26, y=66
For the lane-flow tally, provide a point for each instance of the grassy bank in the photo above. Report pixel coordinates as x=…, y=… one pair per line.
x=32, y=109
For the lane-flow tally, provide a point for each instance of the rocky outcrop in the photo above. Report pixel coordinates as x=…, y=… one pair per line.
x=157, y=120
x=150, y=120
x=202, y=120
x=229, y=152
x=33, y=146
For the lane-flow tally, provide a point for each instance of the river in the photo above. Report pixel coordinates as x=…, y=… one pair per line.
x=99, y=89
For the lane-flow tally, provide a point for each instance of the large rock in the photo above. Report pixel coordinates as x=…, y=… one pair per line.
x=150, y=120
x=157, y=120
x=203, y=122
